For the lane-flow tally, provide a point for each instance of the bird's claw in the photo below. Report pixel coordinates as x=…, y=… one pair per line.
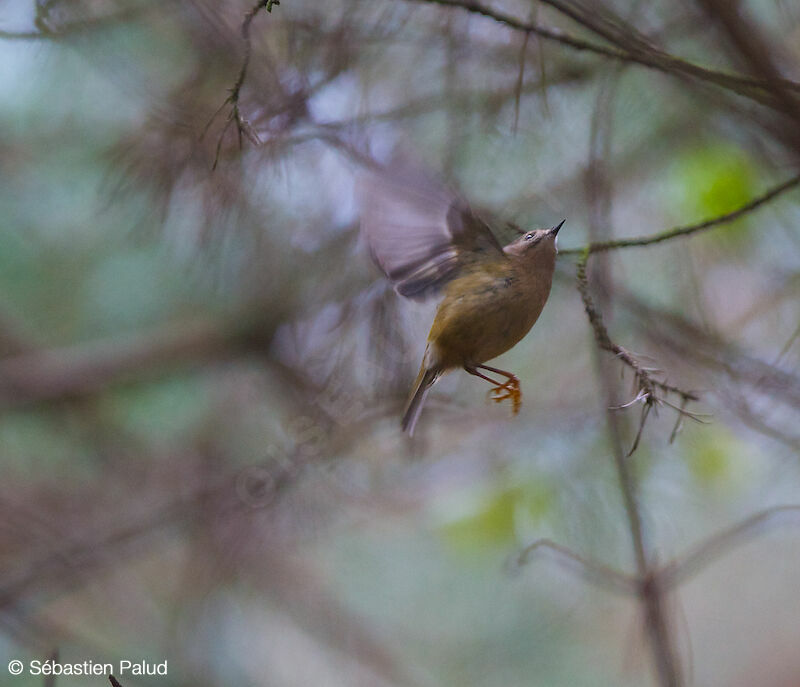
x=510, y=389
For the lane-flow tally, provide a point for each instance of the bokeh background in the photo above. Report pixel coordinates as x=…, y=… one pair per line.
x=202, y=373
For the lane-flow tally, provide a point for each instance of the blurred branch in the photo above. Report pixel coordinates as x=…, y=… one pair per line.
x=754, y=50
x=654, y=583
x=599, y=189
x=693, y=345
x=689, y=341
x=50, y=680
x=14, y=340
x=76, y=371
x=593, y=572
x=317, y=606
x=475, y=99
x=638, y=53
x=649, y=591
x=690, y=229
x=22, y=35
x=528, y=27
x=229, y=509
x=788, y=345
x=520, y=80
x=719, y=544
x=603, y=23
x=756, y=422
x=47, y=30
x=63, y=567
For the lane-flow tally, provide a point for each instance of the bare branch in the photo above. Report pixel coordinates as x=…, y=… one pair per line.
x=243, y=126
x=649, y=591
x=591, y=571
x=47, y=30
x=71, y=372
x=688, y=230
x=647, y=387
x=754, y=50
x=703, y=554
x=50, y=680
x=646, y=56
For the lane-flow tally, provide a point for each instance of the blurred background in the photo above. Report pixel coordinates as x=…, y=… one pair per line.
x=202, y=373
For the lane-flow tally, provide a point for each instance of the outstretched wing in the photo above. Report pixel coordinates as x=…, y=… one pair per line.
x=420, y=233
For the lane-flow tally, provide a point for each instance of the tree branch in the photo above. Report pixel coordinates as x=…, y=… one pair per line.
x=593, y=572
x=647, y=387
x=646, y=381
x=719, y=544
x=243, y=126
x=750, y=206
x=77, y=371
x=642, y=54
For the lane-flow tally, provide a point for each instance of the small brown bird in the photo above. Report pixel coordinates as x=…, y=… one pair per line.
x=426, y=239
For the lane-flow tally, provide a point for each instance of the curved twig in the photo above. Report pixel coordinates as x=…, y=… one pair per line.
x=593, y=572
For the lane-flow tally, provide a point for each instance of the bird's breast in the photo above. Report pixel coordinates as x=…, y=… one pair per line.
x=485, y=314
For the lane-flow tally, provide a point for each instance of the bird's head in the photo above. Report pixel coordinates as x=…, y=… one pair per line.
x=538, y=243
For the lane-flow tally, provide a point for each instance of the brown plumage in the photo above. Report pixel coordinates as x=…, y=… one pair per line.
x=428, y=240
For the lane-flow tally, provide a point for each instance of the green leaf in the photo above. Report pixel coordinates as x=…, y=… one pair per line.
x=709, y=457
x=716, y=180
x=489, y=519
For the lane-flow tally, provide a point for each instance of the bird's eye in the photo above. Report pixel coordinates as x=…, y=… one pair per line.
x=528, y=237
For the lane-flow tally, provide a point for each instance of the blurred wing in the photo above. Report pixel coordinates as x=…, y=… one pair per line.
x=419, y=233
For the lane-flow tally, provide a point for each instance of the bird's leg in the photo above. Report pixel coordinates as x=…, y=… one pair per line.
x=474, y=371
x=502, y=391
x=510, y=389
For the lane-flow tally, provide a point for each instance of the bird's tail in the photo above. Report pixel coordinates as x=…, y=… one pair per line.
x=425, y=380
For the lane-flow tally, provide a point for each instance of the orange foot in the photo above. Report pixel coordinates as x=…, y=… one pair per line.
x=509, y=389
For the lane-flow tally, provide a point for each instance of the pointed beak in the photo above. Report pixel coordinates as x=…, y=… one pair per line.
x=554, y=230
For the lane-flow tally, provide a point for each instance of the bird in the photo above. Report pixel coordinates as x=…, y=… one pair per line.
x=428, y=241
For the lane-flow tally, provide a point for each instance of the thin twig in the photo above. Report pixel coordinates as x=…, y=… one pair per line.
x=243, y=127
x=677, y=572
x=647, y=387
x=750, y=206
x=593, y=572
